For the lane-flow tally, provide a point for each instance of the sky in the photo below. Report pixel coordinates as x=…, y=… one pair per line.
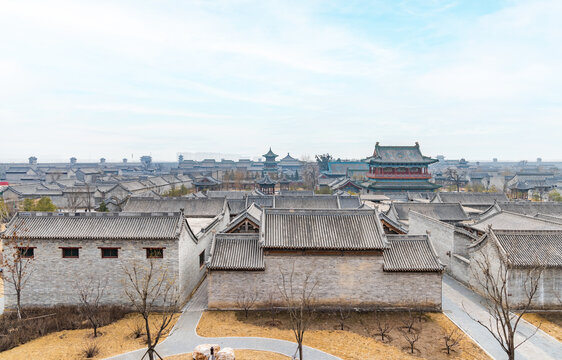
x=121, y=79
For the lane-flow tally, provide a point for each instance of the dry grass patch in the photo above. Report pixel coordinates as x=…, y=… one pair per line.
x=240, y=355
x=116, y=338
x=550, y=322
x=355, y=343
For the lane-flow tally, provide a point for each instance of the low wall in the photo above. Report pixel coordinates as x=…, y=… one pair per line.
x=353, y=281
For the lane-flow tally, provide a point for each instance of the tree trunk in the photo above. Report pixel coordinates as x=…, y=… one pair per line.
x=300, y=351
x=18, y=295
x=148, y=339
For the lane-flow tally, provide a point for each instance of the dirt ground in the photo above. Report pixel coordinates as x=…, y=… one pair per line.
x=356, y=342
x=240, y=355
x=116, y=338
x=550, y=322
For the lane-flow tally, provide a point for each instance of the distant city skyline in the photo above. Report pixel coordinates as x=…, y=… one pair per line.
x=200, y=156
x=472, y=79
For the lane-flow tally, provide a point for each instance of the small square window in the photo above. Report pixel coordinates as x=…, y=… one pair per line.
x=202, y=259
x=26, y=252
x=70, y=253
x=154, y=253
x=109, y=252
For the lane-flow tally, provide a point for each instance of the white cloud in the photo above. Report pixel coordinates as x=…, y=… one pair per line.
x=240, y=76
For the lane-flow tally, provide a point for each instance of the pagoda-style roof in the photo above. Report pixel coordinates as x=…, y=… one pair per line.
x=287, y=158
x=400, y=185
x=270, y=154
x=266, y=180
x=399, y=155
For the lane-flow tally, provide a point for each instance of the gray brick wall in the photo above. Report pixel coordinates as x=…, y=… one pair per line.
x=356, y=281
x=54, y=279
x=549, y=292
x=451, y=246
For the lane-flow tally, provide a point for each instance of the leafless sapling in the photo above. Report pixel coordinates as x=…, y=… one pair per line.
x=411, y=337
x=343, y=314
x=90, y=294
x=408, y=321
x=17, y=261
x=246, y=301
x=383, y=325
x=297, y=292
x=150, y=290
x=452, y=339
x=492, y=279
x=273, y=308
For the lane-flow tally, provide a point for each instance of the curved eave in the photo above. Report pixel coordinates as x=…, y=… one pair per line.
x=324, y=248
x=440, y=269
x=221, y=268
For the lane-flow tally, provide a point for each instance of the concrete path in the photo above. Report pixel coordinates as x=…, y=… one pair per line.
x=184, y=338
x=458, y=300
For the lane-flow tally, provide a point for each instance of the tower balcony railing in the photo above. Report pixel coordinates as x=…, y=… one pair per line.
x=399, y=176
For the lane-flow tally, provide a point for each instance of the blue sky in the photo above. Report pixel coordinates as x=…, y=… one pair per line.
x=91, y=79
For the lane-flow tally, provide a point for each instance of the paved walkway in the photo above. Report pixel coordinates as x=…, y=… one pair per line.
x=458, y=300
x=184, y=338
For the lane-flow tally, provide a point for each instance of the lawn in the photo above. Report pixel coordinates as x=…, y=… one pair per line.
x=356, y=342
x=550, y=322
x=240, y=355
x=116, y=338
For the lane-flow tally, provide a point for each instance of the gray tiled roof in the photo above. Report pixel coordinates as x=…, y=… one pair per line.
x=322, y=229
x=443, y=212
x=95, y=226
x=263, y=201
x=296, y=193
x=229, y=194
x=306, y=202
x=349, y=202
x=399, y=154
x=532, y=208
x=237, y=206
x=253, y=213
x=531, y=248
x=236, y=252
x=410, y=253
x=511, y=221
x=191, y=207
x=471, y=198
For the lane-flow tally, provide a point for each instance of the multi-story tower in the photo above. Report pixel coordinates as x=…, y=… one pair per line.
x=398, y=168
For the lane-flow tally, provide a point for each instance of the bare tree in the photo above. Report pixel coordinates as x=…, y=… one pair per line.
x=90, y=294
x=412, y=337
x=73, y=199
x=493, y=281
x=246, y=301
x=273, y=308
x=408, y=321
x=383, y=325
x=343, y=314
x=17, y=262
x=310, y=173
x=452, y=339
x=297, y=294
x=150, y=290
x=88, y=200
x=453, y=176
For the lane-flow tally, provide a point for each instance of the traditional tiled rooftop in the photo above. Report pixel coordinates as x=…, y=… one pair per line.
x=236, y=252
x=322, y=229
x=95, y=226
x=410, y=253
